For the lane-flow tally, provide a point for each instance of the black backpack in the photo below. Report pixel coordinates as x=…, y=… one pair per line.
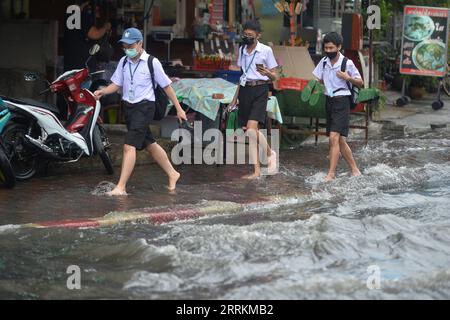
x=354, y=90
x=161, y=99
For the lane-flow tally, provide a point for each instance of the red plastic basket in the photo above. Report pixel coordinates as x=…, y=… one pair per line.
x=205, y=64
x=292, y=84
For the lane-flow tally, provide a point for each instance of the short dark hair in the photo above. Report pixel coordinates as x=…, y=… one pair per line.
x=253, y=25
x=334, y=38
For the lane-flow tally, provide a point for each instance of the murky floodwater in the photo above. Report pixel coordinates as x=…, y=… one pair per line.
x=318, y=244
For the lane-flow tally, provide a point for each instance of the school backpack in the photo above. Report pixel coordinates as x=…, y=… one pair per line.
x=161, y=99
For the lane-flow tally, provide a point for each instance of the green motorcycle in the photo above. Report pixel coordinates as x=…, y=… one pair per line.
x=7, y=176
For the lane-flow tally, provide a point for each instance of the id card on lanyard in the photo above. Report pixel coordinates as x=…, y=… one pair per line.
x=243, y=79
x=131, y=94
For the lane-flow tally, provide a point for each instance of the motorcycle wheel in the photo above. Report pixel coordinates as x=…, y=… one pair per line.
x=23, y=162
x=99, y=140
x=437, y=105
x=7, y=177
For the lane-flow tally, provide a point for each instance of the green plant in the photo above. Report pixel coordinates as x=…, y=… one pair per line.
x=430, y=84
x=379, y=104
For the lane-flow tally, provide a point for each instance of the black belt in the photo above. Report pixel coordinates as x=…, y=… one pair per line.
x=337, y=97
x=136, y=104
x=254, y=83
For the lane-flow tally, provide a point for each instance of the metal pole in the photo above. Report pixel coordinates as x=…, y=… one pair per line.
x=370, y=54
x=146, y=18
x=293, y=22
x=231, y=13
x=404, y=87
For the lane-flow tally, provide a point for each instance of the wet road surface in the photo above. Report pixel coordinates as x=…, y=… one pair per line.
x=319, y=244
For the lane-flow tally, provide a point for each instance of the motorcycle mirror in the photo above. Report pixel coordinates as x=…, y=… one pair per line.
x=30, y=77
x=94, y=49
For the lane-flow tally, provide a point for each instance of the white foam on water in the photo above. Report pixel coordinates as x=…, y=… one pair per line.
x=8, y=227
x=103, y=188
x=158, y=282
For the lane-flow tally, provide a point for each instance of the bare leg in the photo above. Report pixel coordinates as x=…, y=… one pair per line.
x=272, y=165
x=348, y=156
x=163, y=161
x=334, y=156
x=253, y=133
x=128, y=162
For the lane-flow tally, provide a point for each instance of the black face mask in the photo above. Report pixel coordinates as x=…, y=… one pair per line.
x=331, y=55
x=248, y=41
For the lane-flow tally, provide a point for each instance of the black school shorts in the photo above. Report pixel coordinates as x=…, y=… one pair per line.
x=338, y=115
x=253, y=104
x=138, y=117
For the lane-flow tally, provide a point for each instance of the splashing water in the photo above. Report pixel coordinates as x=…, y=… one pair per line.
x=317, y=242
x=103, y=188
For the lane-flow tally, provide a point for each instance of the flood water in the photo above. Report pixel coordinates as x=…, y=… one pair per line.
x=317, y=244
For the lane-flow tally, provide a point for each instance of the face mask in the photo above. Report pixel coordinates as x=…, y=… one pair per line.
x=248, y=41
x=131, y=53
x=331, y=55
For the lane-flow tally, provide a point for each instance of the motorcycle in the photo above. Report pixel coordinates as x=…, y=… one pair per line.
x=34, y=131
x=7, y=177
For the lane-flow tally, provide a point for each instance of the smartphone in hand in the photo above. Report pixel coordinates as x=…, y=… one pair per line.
x=259, y=67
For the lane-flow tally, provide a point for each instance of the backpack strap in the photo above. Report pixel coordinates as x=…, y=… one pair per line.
x=324, y=65
x=344, y=69
x=152, y=71
x=344, y=64
x=242, y=55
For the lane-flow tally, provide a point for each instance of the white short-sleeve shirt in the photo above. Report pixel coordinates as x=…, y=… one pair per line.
x=330, y=79
x=261, y=55
x=142, y=82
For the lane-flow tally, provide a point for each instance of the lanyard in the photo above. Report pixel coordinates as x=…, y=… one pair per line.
x=248, y=66
x=132, y=74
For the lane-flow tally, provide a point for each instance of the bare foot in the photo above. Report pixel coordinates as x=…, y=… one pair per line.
x=117, y=192
x=330, y=178
x=173, y=179
x=356, y=173
x=252, y=176
x=273, y=166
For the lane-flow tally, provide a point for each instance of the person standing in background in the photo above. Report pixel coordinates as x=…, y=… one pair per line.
x=77, y=42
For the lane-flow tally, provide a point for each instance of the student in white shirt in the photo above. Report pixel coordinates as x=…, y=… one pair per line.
x=328, y=71
x=133, y=77
x=258, y=66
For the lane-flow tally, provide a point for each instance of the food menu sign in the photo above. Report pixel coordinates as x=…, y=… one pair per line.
x=424, y=42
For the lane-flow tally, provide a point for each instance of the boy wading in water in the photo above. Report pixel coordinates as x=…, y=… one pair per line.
x=259, y=69
x=328, y=72
x=133, y=76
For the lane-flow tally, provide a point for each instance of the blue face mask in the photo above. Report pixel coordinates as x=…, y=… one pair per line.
x=131, y=53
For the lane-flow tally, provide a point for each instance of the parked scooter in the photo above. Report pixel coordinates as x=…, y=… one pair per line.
x=7, y=177
x=34, y=132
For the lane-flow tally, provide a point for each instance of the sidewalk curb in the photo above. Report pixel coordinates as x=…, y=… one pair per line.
x=157, y=216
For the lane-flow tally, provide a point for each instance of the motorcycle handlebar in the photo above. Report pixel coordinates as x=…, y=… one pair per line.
x=97, y=72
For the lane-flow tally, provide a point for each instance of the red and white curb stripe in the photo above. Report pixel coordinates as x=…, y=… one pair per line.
x=156, y=216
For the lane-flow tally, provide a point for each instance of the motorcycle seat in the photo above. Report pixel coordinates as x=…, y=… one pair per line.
x=40, y=104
